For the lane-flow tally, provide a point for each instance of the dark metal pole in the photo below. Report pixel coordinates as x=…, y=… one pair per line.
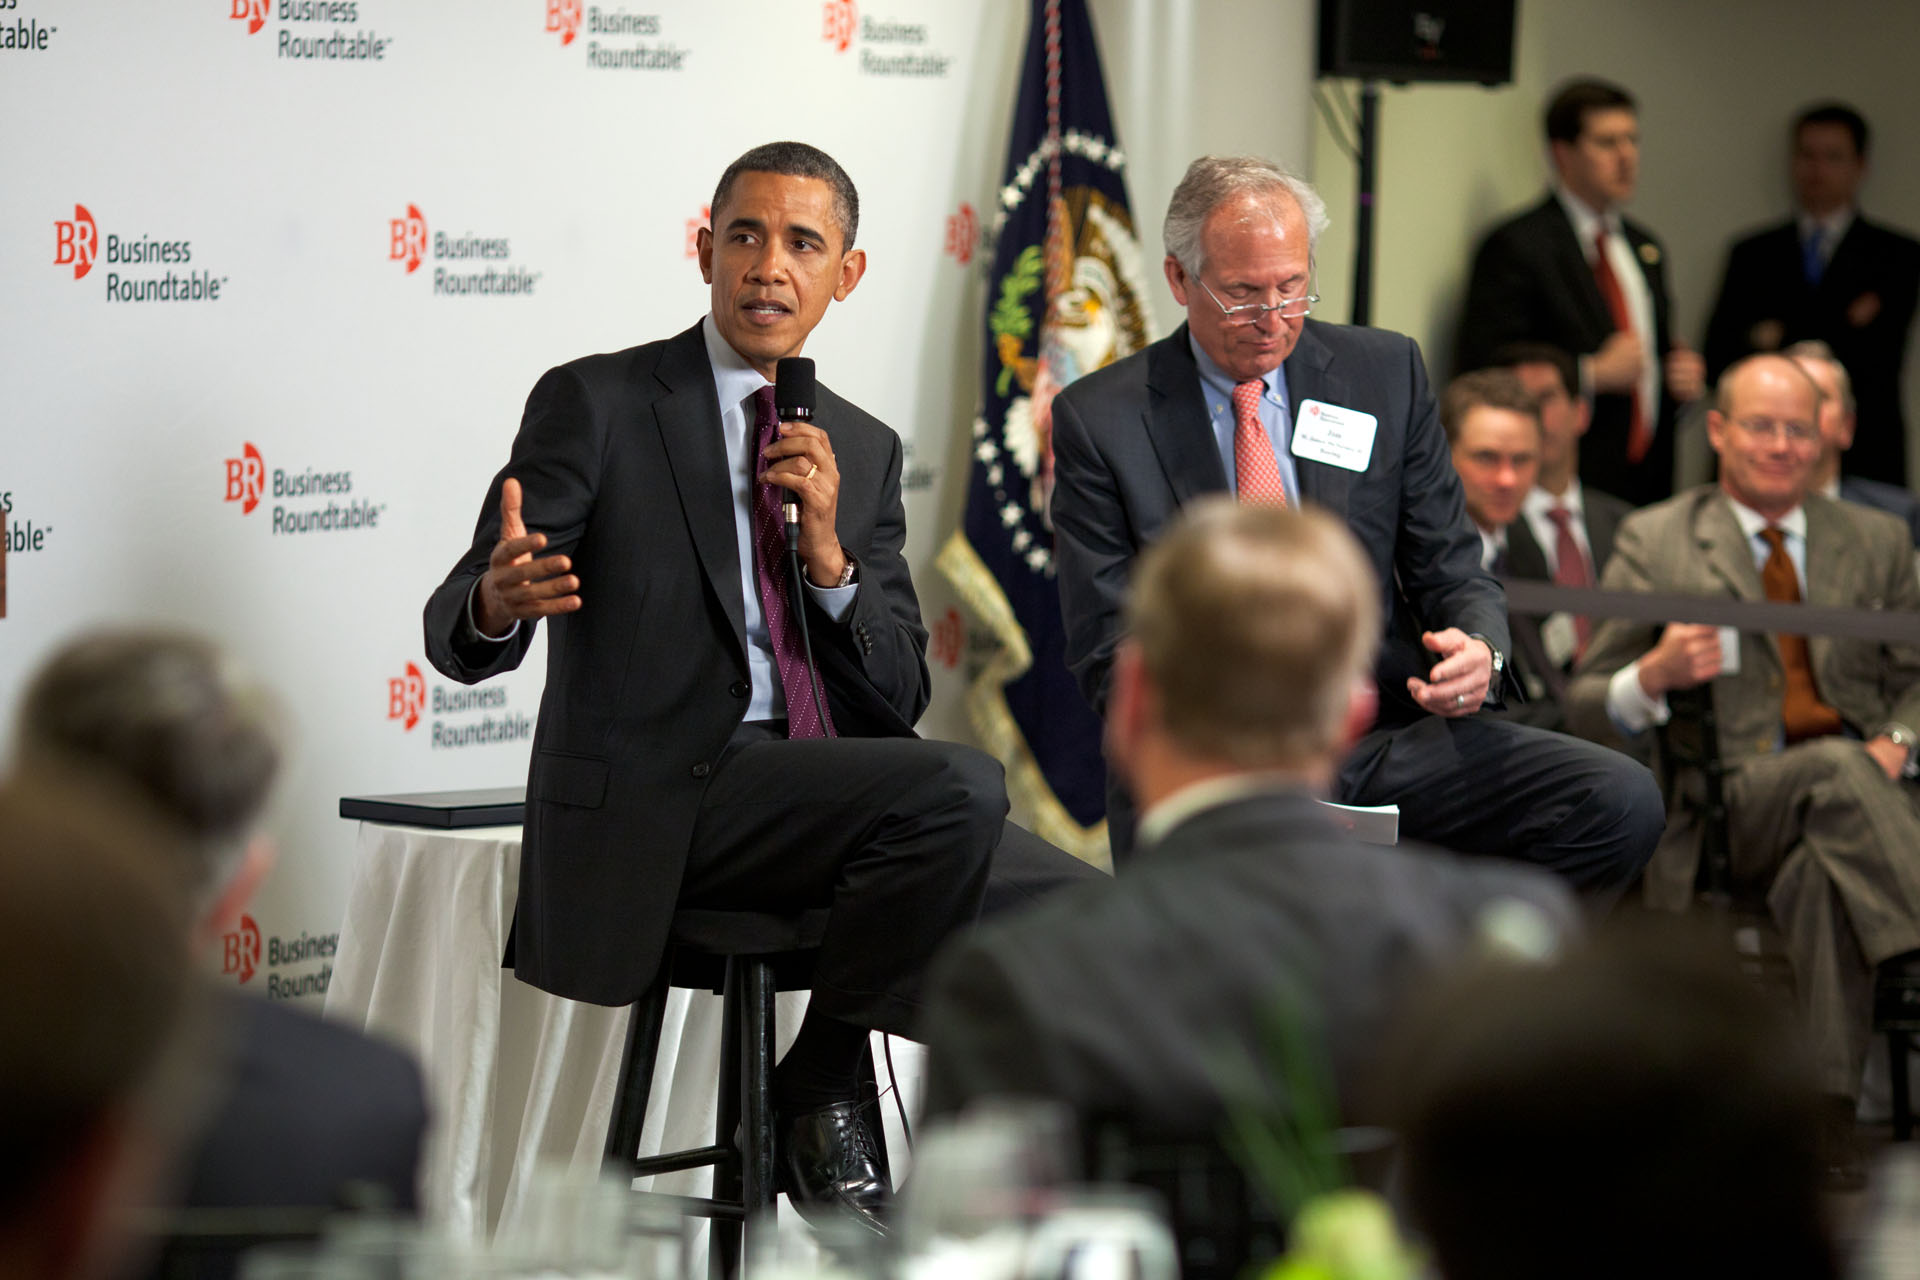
x=1363, y=224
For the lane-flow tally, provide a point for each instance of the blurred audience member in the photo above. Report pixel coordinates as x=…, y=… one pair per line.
x=1573, y=272
x=1495, y=437
x=1493, y=432
x=1244, y=678
x=1633, y=1109
x=1829, y=273
x=1817, y=734
x=1838, y=416
x=1567, y=535
x=311, y=1110
x=94, y=993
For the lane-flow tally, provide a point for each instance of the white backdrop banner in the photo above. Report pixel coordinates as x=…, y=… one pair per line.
x=278, y=275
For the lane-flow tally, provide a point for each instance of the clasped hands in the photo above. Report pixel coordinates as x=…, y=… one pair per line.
x=1458, y=683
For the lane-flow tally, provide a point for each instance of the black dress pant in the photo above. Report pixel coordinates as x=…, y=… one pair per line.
x=1483, y=785
x=903, y=840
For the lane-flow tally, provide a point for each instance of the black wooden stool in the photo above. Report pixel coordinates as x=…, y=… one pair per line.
x=744, y=957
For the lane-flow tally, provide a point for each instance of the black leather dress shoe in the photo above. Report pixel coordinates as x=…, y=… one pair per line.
x=830, y=1163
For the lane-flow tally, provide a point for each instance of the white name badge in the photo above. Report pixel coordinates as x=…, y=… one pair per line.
x=1329, y=433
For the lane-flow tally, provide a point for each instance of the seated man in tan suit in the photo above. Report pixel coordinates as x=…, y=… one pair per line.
x=1817, y=732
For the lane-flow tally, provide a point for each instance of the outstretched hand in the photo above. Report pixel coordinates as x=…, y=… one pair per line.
x=1458, y=683
x=517, y=586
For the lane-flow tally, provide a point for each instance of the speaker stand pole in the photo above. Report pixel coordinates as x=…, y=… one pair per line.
x=1367, y=161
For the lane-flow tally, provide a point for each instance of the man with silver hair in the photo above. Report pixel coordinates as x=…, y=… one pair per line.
x=1250, y=398
x=312, y=1114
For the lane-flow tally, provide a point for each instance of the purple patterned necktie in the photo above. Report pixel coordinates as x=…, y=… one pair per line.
x=770, y=571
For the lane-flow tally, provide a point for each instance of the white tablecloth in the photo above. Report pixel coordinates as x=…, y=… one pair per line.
x=515, y=1077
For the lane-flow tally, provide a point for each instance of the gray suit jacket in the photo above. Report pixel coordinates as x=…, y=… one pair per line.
x=1692, y=545
x=1133, y=442
x=623, y=467
x=1128, y=998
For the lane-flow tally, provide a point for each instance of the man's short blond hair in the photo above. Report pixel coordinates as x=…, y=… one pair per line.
x=1253, y=624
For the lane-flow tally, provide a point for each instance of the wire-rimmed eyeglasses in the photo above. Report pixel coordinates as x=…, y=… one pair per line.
x=1252, y=312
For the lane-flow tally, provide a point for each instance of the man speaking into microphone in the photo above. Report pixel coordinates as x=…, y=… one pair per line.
x=681, y=758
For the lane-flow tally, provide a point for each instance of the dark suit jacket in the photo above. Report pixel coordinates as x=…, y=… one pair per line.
x=1129, y=998
x=1133, y=442
x=1765, y=285
x=1892, y=499
x=1544, y=680
x=622, y=465
x=1531, y=283
x=308, y=1107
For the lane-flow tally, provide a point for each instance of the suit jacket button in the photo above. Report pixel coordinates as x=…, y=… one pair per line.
x=740, y=689
x=702, y=769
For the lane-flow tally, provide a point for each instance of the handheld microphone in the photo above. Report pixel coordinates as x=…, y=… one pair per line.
x=793, y=397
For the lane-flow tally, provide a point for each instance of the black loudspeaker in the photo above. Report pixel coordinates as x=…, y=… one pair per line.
x=1403, y=40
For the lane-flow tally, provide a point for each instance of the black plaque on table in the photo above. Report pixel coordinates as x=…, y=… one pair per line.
x=484, y=807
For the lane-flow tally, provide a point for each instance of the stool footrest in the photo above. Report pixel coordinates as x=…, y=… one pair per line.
x=675, y=1161
x=695, y=1206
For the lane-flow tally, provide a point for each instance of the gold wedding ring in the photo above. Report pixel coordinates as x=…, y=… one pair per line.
x=810, y=470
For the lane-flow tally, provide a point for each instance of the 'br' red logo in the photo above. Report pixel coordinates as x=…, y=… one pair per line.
x=76, y=242
x=246, y=477
x=251, y=12
x=407, y=697
x=949, y=634
x=837, y=21
x=963, y=232
x=240, y=950
x=694, y=227
x=409, y=243
x=564, y=16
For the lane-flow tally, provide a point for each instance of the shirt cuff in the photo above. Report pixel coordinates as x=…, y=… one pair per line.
x=1628, y=705
x=837, y=602
x=473, y=628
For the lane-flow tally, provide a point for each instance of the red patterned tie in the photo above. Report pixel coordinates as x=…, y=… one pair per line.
x=770, y=570
x=1639, y=435
x=1570, y=570
x=1256, y=472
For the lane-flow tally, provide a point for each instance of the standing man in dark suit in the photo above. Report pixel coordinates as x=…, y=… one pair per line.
x=1839, y=415
x=306, y=1113
x=1251, y=398
x=1244, y=676
x=681, y=757
x=1831, y=274
x=1574, y=272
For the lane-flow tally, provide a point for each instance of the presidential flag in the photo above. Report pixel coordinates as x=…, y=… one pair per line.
x=1065, y=297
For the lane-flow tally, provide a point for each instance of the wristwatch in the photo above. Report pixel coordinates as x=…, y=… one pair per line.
x=847, y=573
x=1904, y=738
x=1499, y=666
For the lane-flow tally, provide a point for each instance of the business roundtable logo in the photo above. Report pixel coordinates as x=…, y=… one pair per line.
x=141, y=266
x=473, y=722
x=466, y=265
x=888, y=47
x=245, y=951
x=312, y=30
x=635, y=41
x=22, y=33
x=295, y=494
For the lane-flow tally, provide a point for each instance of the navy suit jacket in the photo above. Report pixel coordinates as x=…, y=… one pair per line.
x=622, y=465
x=1531, y=282
x=1863, y=308
x=1544, y=681
x=1892, y=499
x=1129, y=998
x=308, y=1108
x=1133, y=442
